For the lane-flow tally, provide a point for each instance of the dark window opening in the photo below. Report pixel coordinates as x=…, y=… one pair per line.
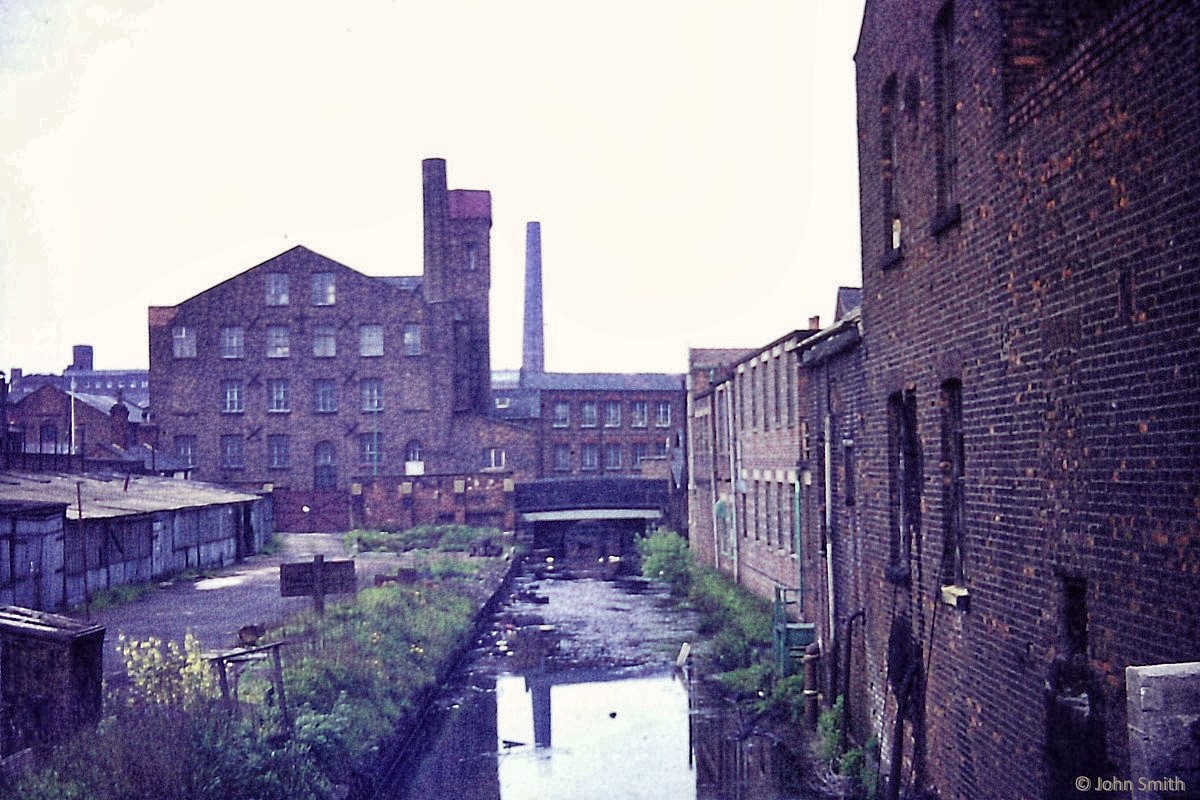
x=946, y=104
x=953, y=465
x=904, y=484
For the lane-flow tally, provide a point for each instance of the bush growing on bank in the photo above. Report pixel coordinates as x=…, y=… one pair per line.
x=350, y=678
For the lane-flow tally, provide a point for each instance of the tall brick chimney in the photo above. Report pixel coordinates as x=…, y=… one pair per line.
x=437, y=222
x=533, y=351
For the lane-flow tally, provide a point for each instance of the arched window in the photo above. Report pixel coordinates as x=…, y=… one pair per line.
x=325, y=466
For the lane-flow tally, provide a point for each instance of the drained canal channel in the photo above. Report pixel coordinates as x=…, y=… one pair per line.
x=577, y=689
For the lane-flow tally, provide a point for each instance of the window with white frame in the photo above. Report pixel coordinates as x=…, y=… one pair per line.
x=612, y=414
x=562, y=457
x=323, y=293
x=233, y=342
x=412, y=450
x=184, y=341
x=324, y=466
x=279, y=395
x=372, y=394
x=233, y=397
x=233, y=451
x=325, y=396
x=612, y=456
x=185, y=449
x=562, y=415
x=278, y=341
x=640, y=452
x=324, y=341
x=494, y=458
x=588, y=416
x=370, y=448
x=589, y=457
x=370, y=340
x=277, y=288
x=412, y=339
x=662, y=419
x=278, y=451
x=639, y=416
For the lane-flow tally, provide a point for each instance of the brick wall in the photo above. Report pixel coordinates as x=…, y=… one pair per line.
x=1063, y=297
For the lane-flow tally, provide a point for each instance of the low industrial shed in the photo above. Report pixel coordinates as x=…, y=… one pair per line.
x=63, y=536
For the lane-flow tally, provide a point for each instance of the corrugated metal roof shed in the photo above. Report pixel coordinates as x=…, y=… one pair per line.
x=105, y=496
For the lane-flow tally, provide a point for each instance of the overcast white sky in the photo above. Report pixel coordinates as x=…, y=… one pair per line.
x=693, y=163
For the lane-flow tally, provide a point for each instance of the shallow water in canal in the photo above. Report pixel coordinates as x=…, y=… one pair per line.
x=575, y=695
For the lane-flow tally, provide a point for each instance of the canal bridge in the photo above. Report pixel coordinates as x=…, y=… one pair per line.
x=588, y=520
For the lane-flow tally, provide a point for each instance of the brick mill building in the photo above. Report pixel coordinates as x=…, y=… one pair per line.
x=1030, y=462
x=327, y=384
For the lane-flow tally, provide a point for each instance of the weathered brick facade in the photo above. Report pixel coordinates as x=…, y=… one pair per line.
x=307, y=375
x=1029, y=464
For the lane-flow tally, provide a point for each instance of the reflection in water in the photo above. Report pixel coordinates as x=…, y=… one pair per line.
x=577, y=735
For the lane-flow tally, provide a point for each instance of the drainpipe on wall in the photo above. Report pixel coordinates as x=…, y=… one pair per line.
x=734, y=465
x=829, y=519
x=71, y=400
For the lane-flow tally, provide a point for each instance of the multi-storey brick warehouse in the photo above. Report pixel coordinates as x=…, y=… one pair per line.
x=310, y=376
x=1029, y=465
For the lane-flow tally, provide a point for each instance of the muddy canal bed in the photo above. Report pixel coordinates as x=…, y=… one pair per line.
x=574, y=693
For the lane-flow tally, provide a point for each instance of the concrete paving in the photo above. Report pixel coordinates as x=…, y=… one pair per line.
x=215, y=606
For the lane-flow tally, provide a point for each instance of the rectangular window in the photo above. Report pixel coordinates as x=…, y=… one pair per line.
x=233, y=451
x=754, y=395
x=662, y=419
x=777, y=387
x=612, y=414
x=589, y=457
x=888, y=145
x=325, y=396
x=946, y=103
x=904, y=482
x=612, y=456
x=277, y=288
x=472, y=255
x=370, y=449
x=324, y=341
x=323, y=293
x=279, y=395
x=372, y=394
x=233, y=342
x=639, y=414
x=278, y=341
x=233, y=397
x=953, y=484
x=494, y=458
x=588, y=417
x=562, y=457
x=184, y=341
x=278, y=451
x=185, y=449
x=848, y=479
x=370, y=340
x=562, y=415
x=641, y=451
x=412, y=339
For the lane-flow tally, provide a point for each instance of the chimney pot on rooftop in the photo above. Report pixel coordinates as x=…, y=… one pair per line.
x=814, y=323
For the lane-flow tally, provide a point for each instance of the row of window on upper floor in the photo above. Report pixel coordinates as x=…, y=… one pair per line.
x=232, y=399
x=589, y=455
x=946, y=105
x=323, y=286
x=589, y=414
x=233, y=452
x=764, y=395
x=278, y=342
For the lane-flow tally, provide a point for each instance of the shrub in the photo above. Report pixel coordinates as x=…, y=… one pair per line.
x=666, y=557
